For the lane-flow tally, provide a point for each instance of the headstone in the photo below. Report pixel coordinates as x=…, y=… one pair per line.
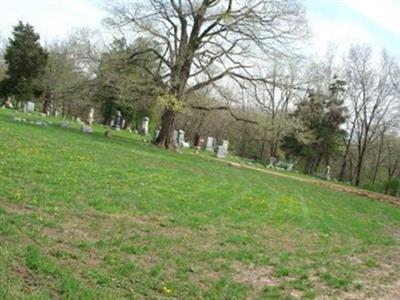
x=8, y=103
x=144, y=127
x=210, y=143
x=29, y=107
x=157, y=133
x=272, y=161
x=221, y=152
x=56, y=113
x=91, y=117
x=328, y=172
x=200, y=143
x=117, y=120
x=86, y=128
x=65, y=124
x=290, y=167
x=185, y=144
x=175, y=138
x=225, y=144
x=181, y=137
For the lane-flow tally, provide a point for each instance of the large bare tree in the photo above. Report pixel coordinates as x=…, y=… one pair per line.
x=373, y=94
x=204, y=42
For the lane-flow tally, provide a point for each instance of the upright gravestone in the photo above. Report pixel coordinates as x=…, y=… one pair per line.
x=29, y=107
x=210, y=143
x=175, y=138
x=181, y=137
x=221, y=152
x=116, y=121
x=145, y=126
x=328, y=172
x=86, y=128
x=91, y=116
x=8, y=103
x=157, y=133
x=225, y=144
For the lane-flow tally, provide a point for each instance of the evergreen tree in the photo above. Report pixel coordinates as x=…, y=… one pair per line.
x=26, y=60
x=317, y=133
x=122, y=84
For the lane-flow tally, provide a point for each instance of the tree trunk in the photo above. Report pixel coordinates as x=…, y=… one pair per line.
x=378, y=159
x=346, y=153
x=164, y=139
x=358, y=169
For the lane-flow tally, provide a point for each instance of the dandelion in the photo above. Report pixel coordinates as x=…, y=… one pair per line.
x=167, y=291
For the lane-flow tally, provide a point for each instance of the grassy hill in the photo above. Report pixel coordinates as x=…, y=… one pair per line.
x=83, y=216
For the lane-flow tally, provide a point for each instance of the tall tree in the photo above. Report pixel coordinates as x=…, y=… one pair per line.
x=26, y=60
x=201, y=42
x=317, y=133
x=373, y=93
x=121, y=83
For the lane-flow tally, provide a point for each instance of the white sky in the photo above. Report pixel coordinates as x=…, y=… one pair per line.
x=341, y=22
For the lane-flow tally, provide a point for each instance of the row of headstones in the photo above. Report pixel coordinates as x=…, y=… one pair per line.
x=220, y=150
x=118, y=122
x=178, y=139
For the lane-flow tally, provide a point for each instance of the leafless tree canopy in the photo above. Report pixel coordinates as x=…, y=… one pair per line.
x=198, y=43
x=211, y=39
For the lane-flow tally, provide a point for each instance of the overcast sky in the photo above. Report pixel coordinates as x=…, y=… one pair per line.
x=341, y=22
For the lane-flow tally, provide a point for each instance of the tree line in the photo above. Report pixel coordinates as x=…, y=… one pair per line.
x=225, y=69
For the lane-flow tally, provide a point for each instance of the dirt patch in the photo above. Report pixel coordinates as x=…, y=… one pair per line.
x=16, y=208
x=256, y=276
x=29, y=279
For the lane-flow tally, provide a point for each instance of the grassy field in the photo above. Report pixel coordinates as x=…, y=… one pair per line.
x=83, y=216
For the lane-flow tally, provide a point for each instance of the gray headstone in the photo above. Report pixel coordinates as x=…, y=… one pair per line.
x=210, y=143
x=221, y=152
x=29, y=107
x=86, y=128
x=175, y=138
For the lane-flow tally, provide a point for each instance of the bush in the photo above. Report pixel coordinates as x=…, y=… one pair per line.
x=392, y=186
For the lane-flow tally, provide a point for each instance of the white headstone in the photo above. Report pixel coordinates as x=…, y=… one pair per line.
x=181, y=137
x=91, y=116
x=328, y=172
x=145, y=126
x=210, y=143
x=225, y=144
x=157, y=133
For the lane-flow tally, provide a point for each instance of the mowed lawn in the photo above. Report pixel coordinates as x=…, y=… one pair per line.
x=83, y=216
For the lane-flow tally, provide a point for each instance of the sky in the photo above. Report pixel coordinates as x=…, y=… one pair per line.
x=332, y=22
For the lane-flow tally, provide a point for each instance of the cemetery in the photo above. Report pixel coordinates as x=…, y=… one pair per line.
x=199, y=149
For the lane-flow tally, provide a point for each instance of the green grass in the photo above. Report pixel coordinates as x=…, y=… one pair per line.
x=83, y=216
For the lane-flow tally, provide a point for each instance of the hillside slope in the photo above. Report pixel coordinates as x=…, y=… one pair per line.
x=90, y=217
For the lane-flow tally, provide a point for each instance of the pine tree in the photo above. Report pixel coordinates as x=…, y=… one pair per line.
x=317, y=131
x=26, y=60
